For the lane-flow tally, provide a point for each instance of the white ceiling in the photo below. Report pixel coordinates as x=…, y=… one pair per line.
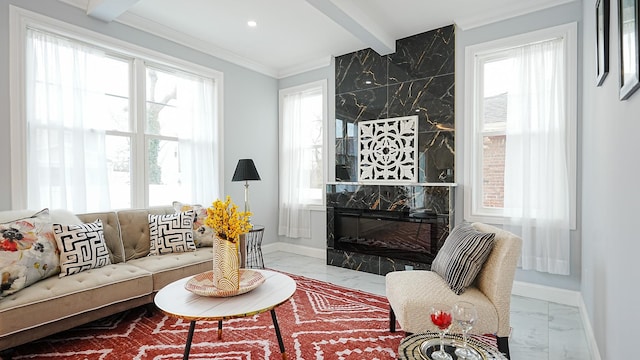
x=298, y=35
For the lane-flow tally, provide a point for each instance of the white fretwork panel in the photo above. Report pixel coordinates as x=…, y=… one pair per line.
x=388, y=149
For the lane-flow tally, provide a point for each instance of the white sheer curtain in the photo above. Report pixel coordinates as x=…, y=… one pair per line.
x=197, y=141
x=295, y=217
x=66, y=160
x=536, y=198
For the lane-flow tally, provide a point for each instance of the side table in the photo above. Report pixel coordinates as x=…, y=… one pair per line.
x=254, y=247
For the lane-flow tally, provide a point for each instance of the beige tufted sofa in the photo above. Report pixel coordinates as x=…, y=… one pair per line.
x=410, y=293
x=55, y=304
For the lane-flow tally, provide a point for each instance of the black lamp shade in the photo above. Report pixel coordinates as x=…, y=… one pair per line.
x=245, y=170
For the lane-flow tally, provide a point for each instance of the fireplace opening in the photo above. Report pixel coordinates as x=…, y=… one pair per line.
x=391, y=234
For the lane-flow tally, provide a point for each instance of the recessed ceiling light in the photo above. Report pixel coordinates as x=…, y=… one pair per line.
x=252, y=23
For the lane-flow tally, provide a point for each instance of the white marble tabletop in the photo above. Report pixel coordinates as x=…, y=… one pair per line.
x=175, y=300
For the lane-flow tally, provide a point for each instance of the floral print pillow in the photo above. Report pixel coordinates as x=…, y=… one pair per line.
x=28, y=252
x=202, y=234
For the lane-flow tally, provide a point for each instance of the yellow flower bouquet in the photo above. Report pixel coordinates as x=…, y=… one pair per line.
x=226, y=221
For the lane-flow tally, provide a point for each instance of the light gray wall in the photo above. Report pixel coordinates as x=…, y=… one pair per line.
x=318, y=218
x=611, y=202
x=250, y=107
x=563, y=14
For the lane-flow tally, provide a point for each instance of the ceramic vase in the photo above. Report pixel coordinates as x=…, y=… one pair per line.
x=226, y=265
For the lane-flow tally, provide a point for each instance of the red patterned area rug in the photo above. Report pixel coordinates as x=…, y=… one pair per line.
x=321, y=321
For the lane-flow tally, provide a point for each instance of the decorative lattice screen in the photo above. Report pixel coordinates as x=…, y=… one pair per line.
x=388, y=149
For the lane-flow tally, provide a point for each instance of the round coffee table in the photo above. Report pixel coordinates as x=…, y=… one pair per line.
x=410, y=346
x=176, y=301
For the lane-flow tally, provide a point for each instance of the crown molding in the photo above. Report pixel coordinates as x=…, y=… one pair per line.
x=181, y=38
x=505, y=13
x=304, y=67
x=165, y=32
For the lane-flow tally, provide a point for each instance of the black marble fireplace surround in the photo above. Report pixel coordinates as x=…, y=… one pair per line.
x=378, y=229
x=382, y=228
x=418, y=79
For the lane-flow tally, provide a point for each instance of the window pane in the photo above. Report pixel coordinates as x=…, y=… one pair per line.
x=495, y=91
x=162, y=93
x=116, y=93
x=493, y=125
x=119, y=170
x=493, y=171
x=312, y=128
x=164, y=172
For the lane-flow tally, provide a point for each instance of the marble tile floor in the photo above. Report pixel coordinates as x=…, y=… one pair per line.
x=541, y=330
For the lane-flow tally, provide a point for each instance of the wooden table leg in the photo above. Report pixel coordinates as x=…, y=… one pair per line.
x=187, y=348
x=278, y=335
x=219, y=329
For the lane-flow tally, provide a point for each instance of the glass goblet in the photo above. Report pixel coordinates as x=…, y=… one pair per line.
x=441, y=317
x=465, y=315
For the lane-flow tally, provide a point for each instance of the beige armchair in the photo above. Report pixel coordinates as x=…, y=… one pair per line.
x=410, y=293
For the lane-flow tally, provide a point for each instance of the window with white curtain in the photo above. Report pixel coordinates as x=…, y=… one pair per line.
x=520, y=128
x=108, y=129
x=303, y=113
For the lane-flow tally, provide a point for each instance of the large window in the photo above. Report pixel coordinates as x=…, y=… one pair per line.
x=303, y=113
x=104, y=127
x=520, y=121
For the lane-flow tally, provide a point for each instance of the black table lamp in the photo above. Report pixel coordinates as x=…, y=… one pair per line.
x=245, y=171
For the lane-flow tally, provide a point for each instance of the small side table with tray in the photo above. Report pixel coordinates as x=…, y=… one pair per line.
x=420, y=347
x=253, y=245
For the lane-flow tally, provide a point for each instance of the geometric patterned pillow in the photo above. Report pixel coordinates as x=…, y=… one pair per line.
x=171, y=233
x=82, y=247
x=462, y=255
x=28, y=252
x=202, y=234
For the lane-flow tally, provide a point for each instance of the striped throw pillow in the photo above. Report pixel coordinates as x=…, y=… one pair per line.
x=462, y=255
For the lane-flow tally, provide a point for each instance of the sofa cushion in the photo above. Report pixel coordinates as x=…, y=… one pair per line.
x=134, y=229
x=82, y=247
x=111, y=232
x=461, y=257
x=28, y=252
x=172, y=233
x=171, y=267
x=202, y=234
x=56, y=298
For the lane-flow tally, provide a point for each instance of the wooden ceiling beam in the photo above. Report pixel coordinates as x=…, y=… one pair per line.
x=108, y=10
x=358, y=24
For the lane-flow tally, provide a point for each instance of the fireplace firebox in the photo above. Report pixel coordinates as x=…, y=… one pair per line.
x=383, y=228
x=401, y=235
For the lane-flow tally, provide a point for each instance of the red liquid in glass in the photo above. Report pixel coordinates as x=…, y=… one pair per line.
x=441, y=319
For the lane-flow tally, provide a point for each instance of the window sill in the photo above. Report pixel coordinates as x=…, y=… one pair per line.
x=498, y=220
x=317, y=208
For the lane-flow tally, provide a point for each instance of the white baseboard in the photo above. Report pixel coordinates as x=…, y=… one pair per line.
x=546, y=293
x=564, y=297
x=588, y=331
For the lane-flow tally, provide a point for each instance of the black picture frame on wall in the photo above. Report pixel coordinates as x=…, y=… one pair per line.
x=628, y=26
x=602, y=40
